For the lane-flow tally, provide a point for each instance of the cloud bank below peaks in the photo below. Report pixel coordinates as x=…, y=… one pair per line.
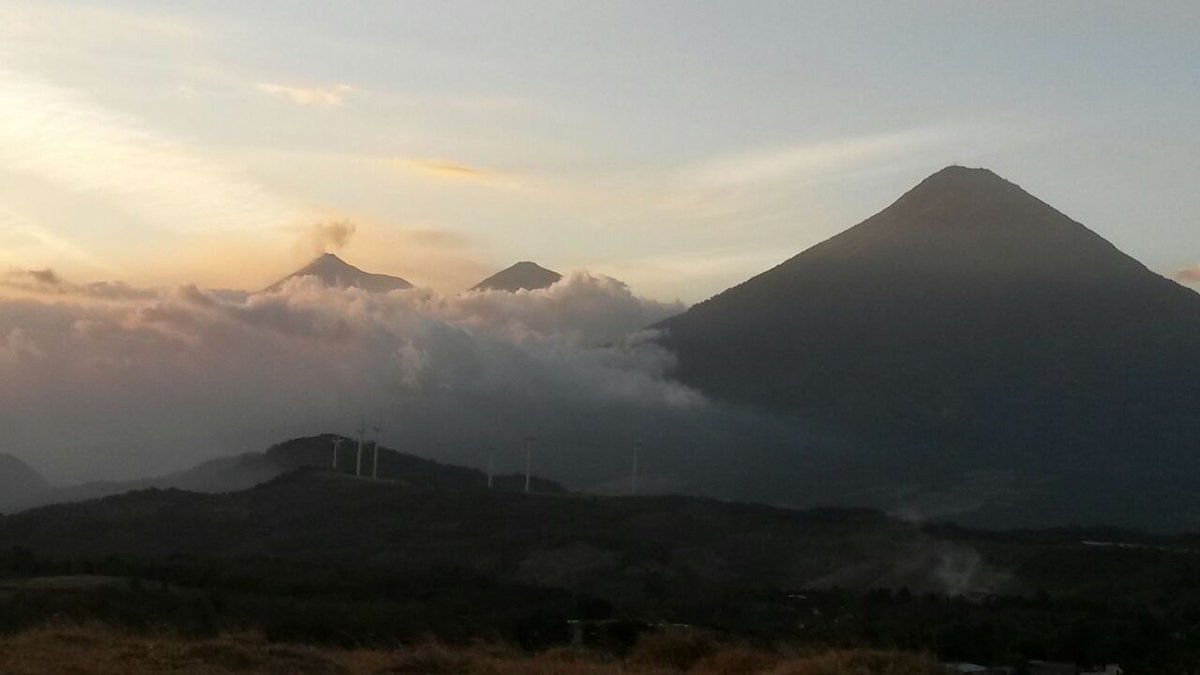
x=107, y=380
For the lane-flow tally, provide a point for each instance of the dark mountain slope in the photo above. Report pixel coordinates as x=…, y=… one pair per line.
x=521, y=276
x=970, y=326
x=18, y=480
x=337, y=273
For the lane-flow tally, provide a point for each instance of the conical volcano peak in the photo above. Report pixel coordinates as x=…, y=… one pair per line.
x=525, y=275
x=963, y=174
x=973, y=220
x=965, y=194
x=334, y=272
x=329, y=262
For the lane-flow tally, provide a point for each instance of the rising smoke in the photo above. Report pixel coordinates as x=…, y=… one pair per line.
x=328, y=237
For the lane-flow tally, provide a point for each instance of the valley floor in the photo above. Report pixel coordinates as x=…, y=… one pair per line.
x=105, y=651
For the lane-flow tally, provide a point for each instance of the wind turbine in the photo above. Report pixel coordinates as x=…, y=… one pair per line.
x=528, y=458
x=378, y=429
x=337, y=442
x=637, y=446
x=361, y=430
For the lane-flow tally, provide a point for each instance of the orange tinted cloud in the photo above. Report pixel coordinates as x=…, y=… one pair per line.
x=456, y=171
x=1189, y=275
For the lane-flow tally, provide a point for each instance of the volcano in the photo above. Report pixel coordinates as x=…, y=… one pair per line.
x=971, y=328
x=524, y=275
x=334, y=272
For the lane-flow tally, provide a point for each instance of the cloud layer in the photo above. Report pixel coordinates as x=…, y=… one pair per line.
x=108, y=380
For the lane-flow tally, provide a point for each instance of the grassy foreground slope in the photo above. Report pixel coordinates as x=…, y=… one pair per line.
x=103, y=651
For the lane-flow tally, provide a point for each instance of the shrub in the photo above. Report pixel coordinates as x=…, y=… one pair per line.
x=859, y=662
x=735, y=661
x=677, y=648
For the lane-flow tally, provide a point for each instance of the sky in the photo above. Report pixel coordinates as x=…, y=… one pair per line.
x=678, y=146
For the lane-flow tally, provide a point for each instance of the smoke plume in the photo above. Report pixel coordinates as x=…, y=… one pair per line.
x=327, y=237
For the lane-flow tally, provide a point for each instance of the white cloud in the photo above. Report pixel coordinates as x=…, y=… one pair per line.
x=320, y=97
x=159, y=379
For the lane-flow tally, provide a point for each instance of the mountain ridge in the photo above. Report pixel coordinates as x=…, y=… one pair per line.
x=523, y=275
x=244, y=471
x=18, y=480
x=334, y=272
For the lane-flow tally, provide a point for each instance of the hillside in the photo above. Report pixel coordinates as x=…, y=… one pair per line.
x=609, y=546
x=231, y=474
x=317, y=556
x=968, y=330
x=18, y=480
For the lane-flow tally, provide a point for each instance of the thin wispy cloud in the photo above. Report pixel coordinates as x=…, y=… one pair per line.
x=787, y=162
x=62, y=137
x=318, y=97
x=79, y=26
x=21, y=235
x=456, y=171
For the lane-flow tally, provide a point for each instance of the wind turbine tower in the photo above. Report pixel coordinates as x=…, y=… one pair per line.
x=637, y=446
x=378, y=429
x=528, y=458
x=337, y=443
x=358, y=464
x=491, y=465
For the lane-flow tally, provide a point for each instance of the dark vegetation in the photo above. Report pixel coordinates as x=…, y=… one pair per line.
x=320, y=557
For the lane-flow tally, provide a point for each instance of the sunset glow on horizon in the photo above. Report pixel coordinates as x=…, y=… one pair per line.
x=196, y=142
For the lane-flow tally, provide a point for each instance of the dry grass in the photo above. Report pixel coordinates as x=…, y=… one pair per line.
x=106, y=651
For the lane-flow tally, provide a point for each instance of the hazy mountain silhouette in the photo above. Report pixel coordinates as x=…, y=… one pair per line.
x=337, y=273
x=229, y=474
x=971, y=327
x=521, y=276
x=18, y=480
